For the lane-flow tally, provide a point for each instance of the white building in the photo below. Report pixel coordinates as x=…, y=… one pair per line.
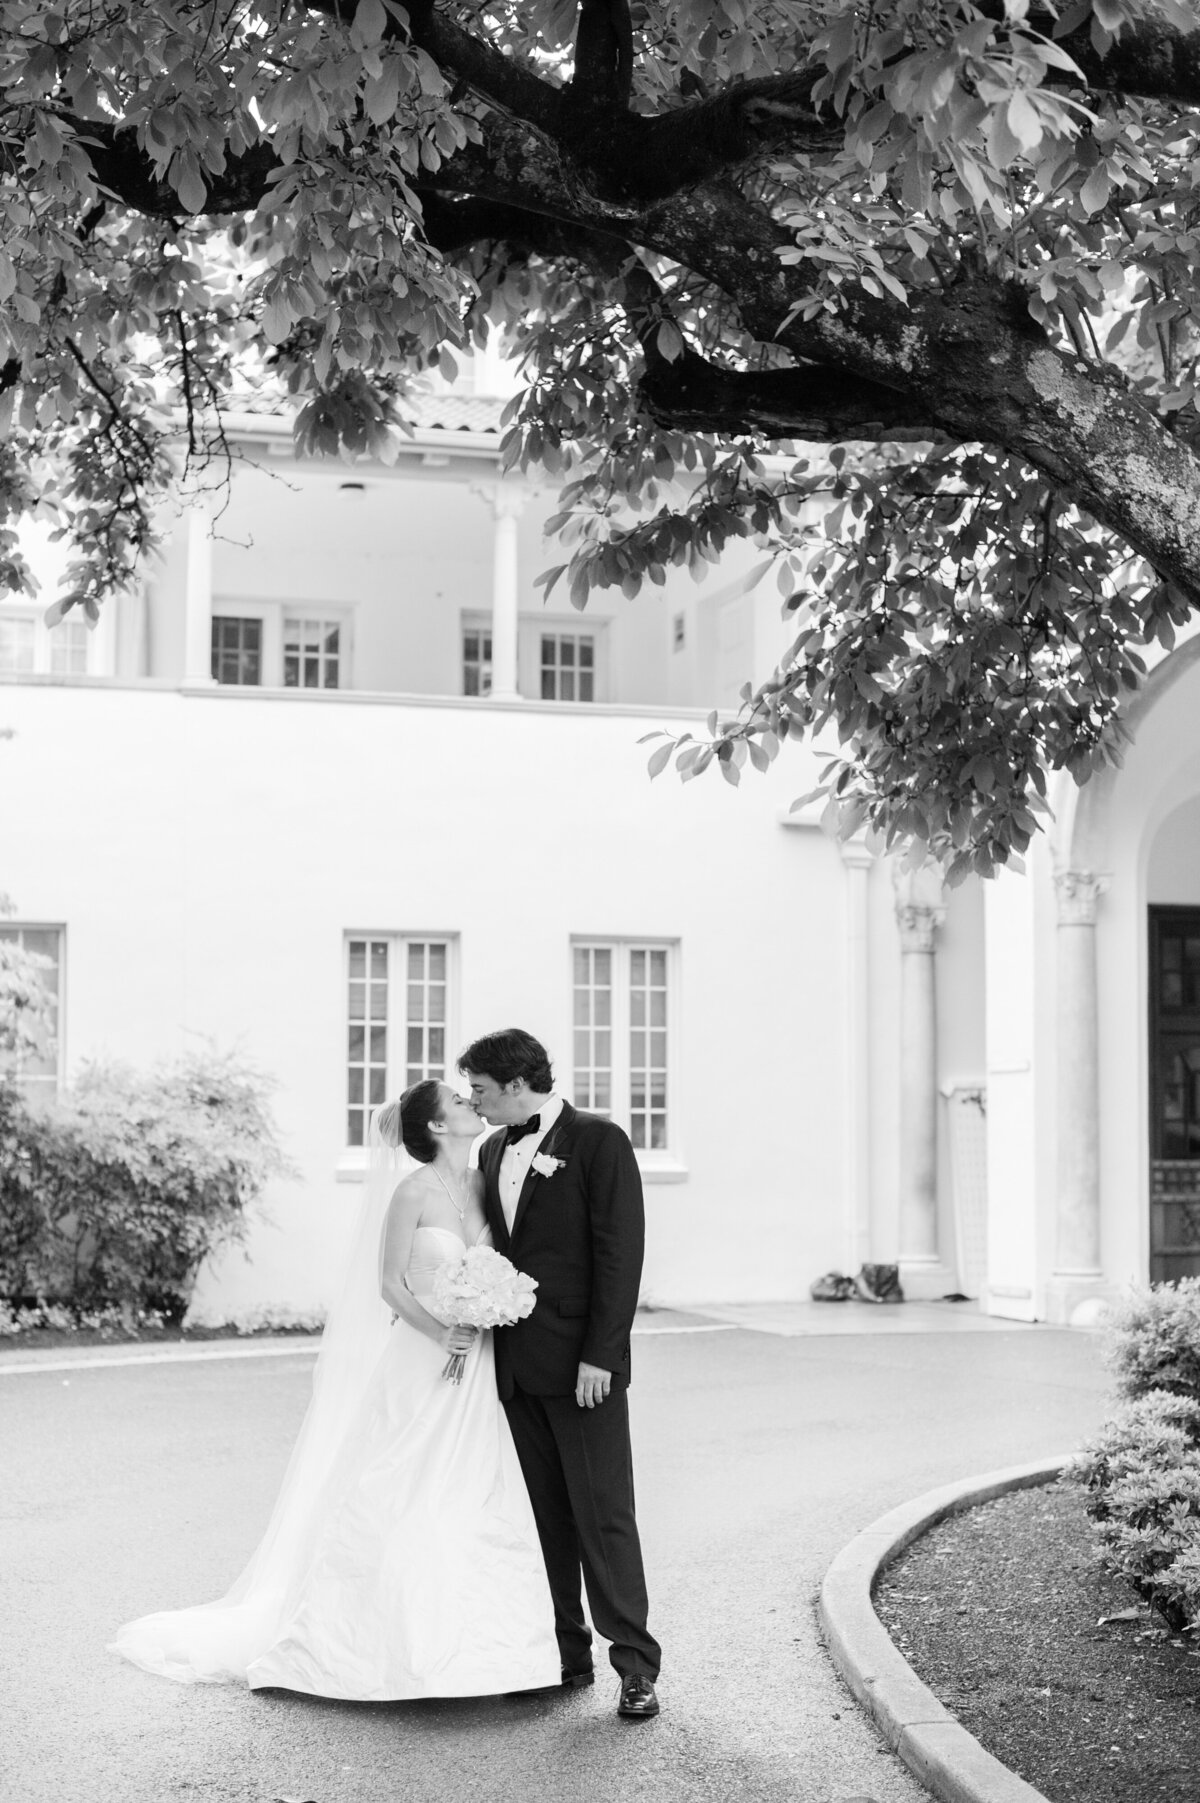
x=337, y=788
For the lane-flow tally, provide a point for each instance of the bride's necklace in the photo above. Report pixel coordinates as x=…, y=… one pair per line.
x=460, y=1208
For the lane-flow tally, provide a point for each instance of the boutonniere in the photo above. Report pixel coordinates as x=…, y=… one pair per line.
x=544, y=1165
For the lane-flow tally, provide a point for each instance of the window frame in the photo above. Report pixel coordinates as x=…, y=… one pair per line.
x=481, y=624
x=48, y=1085
x=532, y=628
x=661, y=1163
x=272, y=613
x=353, y=1159
x=43, y=643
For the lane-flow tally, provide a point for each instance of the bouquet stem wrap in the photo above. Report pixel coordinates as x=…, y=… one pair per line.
x=481, y=1289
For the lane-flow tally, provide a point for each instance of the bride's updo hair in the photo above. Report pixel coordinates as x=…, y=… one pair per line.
x=419, y=1105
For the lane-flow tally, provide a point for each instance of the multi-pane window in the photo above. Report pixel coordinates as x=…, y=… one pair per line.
x=311, y=653
x=16, y=646
x=648, y=1047
x=476, y=661
x=397, y=1019
x=622, y=1039
x=593, y=1027
x=69, y=648
x=568, y=666
x=237, y=650
x=37, y=1072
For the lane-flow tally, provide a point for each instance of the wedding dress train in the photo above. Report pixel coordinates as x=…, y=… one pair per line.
x=414, y=1571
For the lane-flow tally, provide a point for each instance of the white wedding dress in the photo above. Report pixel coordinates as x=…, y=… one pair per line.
x=415, y=1572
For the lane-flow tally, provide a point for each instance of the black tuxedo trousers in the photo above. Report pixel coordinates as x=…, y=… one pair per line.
x=578, y=1469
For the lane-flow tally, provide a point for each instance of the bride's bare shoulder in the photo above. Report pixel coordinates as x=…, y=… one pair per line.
x=412, y=1192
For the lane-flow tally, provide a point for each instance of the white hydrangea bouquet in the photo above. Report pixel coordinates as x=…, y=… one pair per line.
x=481, y=1289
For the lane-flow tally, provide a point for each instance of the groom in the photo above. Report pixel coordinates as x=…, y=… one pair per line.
x=563, y=1196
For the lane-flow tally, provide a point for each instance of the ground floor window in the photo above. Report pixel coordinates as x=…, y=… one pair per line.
x=623, y=993
x=399, y=1012
x=311, y=653
x=39, y=1073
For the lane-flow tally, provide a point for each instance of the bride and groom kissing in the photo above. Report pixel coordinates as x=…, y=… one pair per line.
x=434, y=1539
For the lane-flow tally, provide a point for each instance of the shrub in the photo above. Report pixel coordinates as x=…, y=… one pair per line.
x=115, y=1195
x=1154, y=1340
x=1142, y=1470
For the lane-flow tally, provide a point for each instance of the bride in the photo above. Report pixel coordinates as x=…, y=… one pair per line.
x=401, y=1559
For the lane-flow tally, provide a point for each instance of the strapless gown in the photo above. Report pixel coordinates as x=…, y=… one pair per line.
x=422, y=1575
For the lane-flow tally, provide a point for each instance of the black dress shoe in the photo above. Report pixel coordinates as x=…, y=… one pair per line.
x=638, y=1700
x=578, y=1680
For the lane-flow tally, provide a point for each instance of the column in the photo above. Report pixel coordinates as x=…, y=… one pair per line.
x=858, y=1126
x=1076, y=1288
x=920, y=910
x=197, y=639
x=507, y=506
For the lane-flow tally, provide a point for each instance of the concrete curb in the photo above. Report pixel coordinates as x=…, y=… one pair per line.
x=936, y=1748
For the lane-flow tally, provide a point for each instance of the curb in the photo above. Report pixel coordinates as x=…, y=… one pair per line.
x=936, y=1748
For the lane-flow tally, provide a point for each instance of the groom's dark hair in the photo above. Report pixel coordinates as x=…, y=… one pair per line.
x=512, y=1053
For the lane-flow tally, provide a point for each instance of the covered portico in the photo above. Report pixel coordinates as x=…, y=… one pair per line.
x=1093, y=1004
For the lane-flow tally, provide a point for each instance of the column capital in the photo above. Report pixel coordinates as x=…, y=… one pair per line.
x=856, y=854
x=506, y=500
x=1077, y=893
x=920, y=906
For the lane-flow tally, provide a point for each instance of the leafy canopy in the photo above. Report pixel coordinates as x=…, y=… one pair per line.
x=954, y=239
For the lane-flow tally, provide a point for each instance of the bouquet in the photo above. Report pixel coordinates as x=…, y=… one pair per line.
x=481, y=1289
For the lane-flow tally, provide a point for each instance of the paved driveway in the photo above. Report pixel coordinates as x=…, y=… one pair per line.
x=759, y=1454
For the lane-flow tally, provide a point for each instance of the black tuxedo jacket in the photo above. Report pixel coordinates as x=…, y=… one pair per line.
x=581, y=1233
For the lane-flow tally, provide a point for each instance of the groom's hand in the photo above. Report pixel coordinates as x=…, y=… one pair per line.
x=591, y=1386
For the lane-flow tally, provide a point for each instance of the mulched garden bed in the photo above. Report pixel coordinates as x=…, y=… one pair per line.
x=997, y=1610
x=38, y=1339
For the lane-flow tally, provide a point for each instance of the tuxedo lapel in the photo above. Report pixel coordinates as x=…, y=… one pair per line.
x=558, y=1143
x=490, y=1154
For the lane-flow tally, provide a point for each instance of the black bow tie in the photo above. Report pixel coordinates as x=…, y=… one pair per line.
x=519, y=1129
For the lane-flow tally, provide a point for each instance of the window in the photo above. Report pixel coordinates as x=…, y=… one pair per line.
x=568, y=666
x=476, y=661
x=623, y=1036
x=397, y=1019
x=37, y=1074
x=29, y=647
x=237, y=650
x=69, y=648
x=311, y=653
x=16, y=646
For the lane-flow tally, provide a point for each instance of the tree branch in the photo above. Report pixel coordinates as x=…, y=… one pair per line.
x=690, y=394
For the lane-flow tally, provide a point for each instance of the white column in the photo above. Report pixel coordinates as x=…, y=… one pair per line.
x=920, y=910
x=857, y=1065
x=1077, y=1280
x=197, y=640
x=507, y=506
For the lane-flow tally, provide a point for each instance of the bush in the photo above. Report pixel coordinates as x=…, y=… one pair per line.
x=1154, y=1340
x=1142, y=1470
x=115, y=1195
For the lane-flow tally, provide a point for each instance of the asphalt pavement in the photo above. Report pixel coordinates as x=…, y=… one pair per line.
x=764, y=1440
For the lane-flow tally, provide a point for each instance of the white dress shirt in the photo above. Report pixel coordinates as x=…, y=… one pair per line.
x=514, y=1166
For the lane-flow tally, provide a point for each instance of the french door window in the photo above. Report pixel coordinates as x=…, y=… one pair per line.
x=398, y=1016
x=623, y=993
